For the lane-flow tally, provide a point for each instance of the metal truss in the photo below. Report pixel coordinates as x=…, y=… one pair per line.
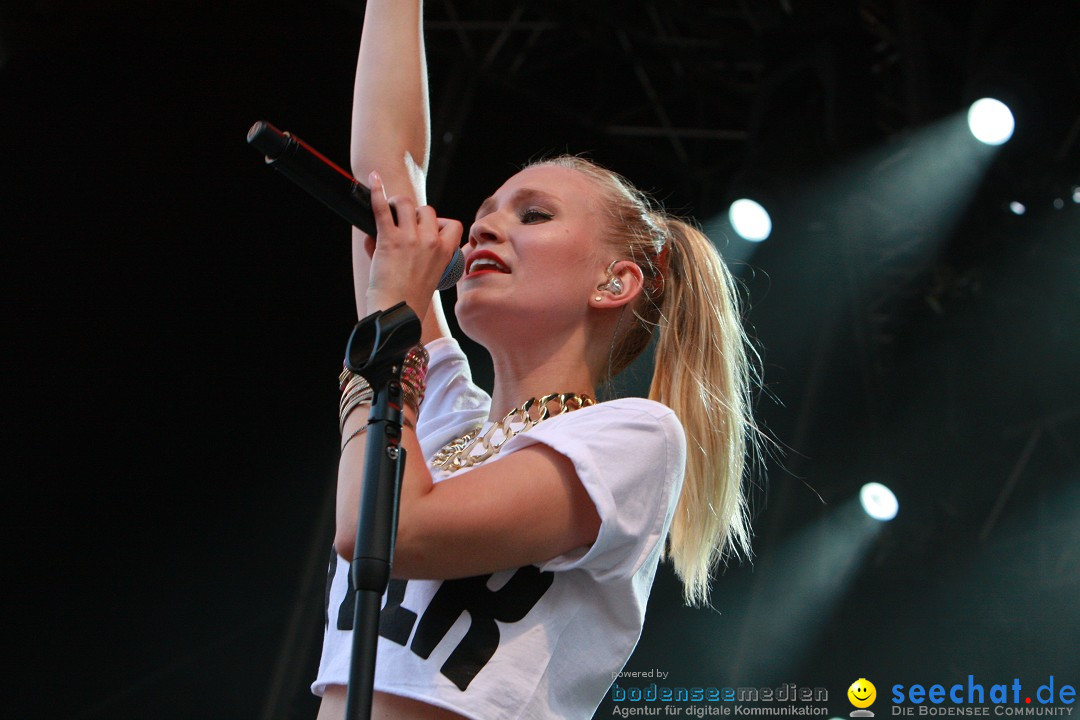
x=676, y=77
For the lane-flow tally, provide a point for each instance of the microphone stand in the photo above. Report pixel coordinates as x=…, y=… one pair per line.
x=376, y=351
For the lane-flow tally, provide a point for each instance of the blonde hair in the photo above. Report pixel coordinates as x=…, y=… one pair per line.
x=702, y=371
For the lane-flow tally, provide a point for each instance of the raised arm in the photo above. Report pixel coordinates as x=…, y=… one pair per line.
x=391, y=123
x=390, y=135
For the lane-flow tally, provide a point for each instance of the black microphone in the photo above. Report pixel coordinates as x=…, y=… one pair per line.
x=328, y=183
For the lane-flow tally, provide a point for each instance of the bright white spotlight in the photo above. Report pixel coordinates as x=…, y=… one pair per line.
x=878, y=501
x=750, y=220
x=991, y=121
x=1017, y=208
x=1076, y=194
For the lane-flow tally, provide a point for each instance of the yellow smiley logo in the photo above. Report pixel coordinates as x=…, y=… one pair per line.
x=862, y=693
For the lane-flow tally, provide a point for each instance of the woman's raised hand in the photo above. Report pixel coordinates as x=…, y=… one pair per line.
x=410, y=255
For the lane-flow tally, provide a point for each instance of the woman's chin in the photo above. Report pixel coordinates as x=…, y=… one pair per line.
x=491, y=320
x=480, y=321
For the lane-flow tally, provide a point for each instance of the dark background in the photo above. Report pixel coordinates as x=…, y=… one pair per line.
x=175, y=314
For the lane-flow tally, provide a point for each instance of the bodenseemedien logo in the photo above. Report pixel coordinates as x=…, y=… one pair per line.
x=862, y=694
x=700, y=701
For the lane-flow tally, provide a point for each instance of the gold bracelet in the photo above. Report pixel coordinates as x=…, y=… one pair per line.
x=356, y=386
x=359, y=431
x=355, y=393
x=344, y=377
x=414, y=377
x=347, y=411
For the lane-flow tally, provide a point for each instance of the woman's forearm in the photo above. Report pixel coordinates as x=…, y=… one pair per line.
x=416, y=479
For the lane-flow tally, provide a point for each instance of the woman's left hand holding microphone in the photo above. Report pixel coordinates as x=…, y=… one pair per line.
x=409, y=257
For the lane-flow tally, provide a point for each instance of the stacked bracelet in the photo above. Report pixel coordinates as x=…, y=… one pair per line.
x=344, y=377
x=414, y=377
x=355, y=391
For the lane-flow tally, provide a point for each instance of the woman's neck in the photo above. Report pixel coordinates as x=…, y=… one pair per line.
x=553, y=367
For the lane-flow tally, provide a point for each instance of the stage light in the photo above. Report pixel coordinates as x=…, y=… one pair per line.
x=991, y=121
x=811, y=572
x=1076, y=194
x=1059, y=204
x=750, y=220
x=1017, y=207
x=878, y=501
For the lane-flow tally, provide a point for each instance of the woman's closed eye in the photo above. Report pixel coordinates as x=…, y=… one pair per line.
x=533, y=215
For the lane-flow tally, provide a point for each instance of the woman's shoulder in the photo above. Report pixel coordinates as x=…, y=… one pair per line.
x=637, y=405
x=629, y=455
x=633, y=410
x=630, y=424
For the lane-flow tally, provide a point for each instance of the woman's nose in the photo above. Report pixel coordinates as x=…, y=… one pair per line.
x=483, y=230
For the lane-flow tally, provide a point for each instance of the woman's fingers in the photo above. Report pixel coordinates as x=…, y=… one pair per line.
x=440, y=234
x=411, y=252
x=451, y=230
x=380, y=205
x=427, y=223
x=450, y=235
x=428, y=227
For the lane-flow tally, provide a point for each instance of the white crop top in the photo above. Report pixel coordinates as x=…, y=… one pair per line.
x=542, y=641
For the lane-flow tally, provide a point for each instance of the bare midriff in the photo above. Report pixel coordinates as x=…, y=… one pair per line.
x=383, y=707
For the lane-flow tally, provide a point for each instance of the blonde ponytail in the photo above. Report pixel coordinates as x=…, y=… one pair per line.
x=702, y=372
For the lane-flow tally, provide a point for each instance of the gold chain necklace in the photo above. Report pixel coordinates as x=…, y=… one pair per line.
x=472, y=448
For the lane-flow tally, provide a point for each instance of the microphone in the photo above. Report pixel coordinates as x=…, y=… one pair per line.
x=328, y=183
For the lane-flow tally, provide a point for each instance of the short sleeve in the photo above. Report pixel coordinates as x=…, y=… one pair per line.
x=452, y=403
x=629, y=455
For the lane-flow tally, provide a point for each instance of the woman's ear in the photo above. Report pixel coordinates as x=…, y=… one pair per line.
x=622, y=283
